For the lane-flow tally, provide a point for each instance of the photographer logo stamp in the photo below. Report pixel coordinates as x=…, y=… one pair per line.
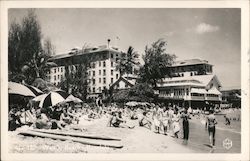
x=227, y=143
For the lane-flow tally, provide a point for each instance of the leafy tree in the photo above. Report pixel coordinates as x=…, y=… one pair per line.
x=76, y=81
x=27, y=58
x=157, y=63
x=128, y=61
x=140, y=92
x=48, y=47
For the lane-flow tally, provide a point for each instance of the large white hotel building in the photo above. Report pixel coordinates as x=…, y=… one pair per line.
x=102, y=71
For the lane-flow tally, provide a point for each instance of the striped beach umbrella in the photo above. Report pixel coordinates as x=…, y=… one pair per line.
x=20, y=89
x=51, y=99
x=39, y=98
x=62, y=93
x=35, y=90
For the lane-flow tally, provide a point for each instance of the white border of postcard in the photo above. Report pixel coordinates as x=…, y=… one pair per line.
x=244, y=5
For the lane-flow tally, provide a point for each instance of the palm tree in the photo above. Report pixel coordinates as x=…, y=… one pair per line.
x=128, y=61
x=157, y=63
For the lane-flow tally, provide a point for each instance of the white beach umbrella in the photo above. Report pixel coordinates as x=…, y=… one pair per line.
x=72, y=98
x=51, y=99
x=39, y=98
x=19, y=89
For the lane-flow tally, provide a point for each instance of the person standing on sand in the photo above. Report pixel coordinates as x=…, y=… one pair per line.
x=176, y=124
x=170, y=112
x=210, y=125
x=156, y=119
x=185, y=124
x=165, y=120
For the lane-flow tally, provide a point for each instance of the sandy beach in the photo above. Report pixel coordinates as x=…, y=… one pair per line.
x=137, y=140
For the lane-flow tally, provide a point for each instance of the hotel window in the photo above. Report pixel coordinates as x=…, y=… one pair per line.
x=55, y=78
x=55, y=70
x=93, y=73
x=104, y=72
x=61, y=77
x=112, y=64
x=58, y=76
x=104, y=56
x=112, y=56
x=100, y=80
x=104, y=80
x=100, y=63
x=112, y=72
x=99, y=89
x=112, y=80
x=93, y=89
x=104, y=64
x=93, y=81
x=93, y=65
x=116, y=76
x=58, y=69
x=100, y=72
x=61, y=69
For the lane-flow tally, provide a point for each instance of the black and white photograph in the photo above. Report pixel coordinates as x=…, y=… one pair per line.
x=122, y=80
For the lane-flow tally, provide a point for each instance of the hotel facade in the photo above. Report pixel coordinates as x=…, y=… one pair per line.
x=101, y=69
x=192, y=84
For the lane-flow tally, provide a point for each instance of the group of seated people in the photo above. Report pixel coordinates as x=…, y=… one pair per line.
x=57, y=117
x=62, y=116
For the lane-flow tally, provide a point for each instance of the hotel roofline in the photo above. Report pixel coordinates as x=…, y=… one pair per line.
x=86, y=51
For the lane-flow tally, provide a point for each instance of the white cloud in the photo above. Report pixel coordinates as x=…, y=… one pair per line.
x=205, y=28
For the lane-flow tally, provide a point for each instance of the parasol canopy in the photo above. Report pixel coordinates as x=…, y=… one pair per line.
x=72, y=98
x=35, y=90
x=51, y=99
x=132, y=103
x=23, y=90
x=39, y=98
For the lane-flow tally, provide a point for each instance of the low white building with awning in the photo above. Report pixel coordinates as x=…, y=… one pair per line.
x=190, y=91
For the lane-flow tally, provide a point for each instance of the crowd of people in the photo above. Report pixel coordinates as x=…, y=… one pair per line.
x=161, y=119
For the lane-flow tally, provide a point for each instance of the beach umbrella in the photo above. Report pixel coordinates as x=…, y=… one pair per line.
x=62, y=93
x=35, y=90
x=72, y=98
x=51, y=99
x=20, y=89
x=39, y=98
x=132, y=103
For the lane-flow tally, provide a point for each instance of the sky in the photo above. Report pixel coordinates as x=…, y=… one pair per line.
x=209, y=34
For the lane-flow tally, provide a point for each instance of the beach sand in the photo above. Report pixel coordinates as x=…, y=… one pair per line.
x=136, y=140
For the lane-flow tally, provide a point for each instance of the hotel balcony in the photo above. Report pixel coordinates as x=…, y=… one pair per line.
x=198, y=98
x=213, y=98
x=165, y=96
